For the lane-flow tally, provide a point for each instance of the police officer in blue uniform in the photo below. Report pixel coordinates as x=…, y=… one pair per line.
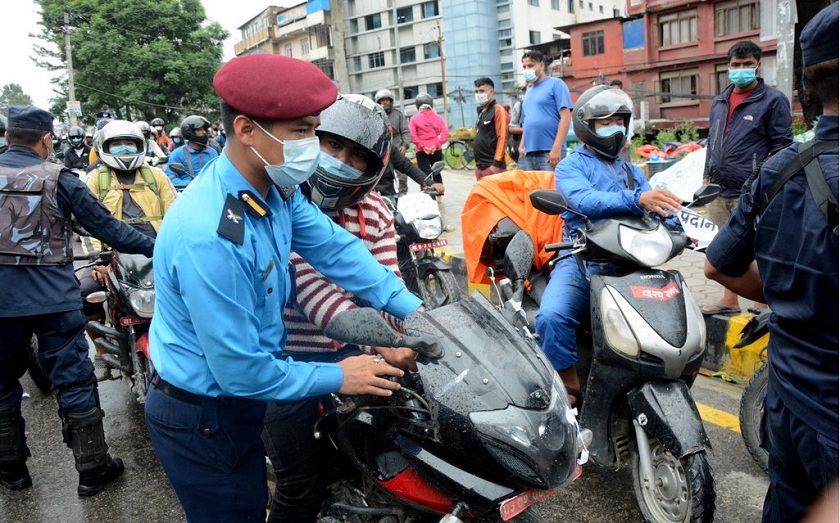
x=41, y=296
x=222, y=280
x=788, y=254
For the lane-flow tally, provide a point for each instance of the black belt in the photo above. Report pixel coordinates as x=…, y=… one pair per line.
x=174, y=392
x=537, y=152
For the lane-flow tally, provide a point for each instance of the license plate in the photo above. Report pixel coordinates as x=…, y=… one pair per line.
x=417, y=247
x=514, y=506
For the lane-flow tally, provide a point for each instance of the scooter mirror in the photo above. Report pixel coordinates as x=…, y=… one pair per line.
x=549, y=202
x=706, y=193
x=519, y=256
x=178, y=168
x=438, y=167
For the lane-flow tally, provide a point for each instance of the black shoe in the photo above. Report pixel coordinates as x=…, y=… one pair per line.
x=15, y=477
x=94, y=480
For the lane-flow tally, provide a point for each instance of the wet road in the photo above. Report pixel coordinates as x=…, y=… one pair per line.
x=143, y=493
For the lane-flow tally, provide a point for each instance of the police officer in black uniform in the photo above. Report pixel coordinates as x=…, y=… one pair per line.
x=781, y=244
x=41, y=296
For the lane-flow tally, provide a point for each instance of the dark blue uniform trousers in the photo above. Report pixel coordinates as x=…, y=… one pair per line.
x=212, y=454
x=62, y=353
x=803, y=462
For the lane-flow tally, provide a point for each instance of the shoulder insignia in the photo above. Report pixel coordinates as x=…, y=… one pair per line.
x=232, y=222
x=254, y=205
x=286, y=192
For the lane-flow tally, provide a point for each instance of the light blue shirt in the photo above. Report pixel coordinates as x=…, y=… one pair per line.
x=541, y=113
x=218, y=329
x=196, y=159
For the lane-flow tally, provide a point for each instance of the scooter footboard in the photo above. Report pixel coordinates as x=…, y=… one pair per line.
x=670, y=416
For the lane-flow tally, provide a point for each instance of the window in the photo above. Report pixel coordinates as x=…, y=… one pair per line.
x=580, y=4
x=408, y=55
x=534, y=37
x=593, y=43
x=720, y=78
x=535, y=3
x=555, y=4
x=373, y=21
x=431, y=50
x=304, y=46
x=357, y=64
x=287, y=50
x=410, y=92
x=507, y=66
x=376, y=60
x=503, y=9
x=506, y=52
x=571, y=6
x=678, y=86
x=505, y=42
x=430, y=9
x=435, y=90
x=738, y=16
x=590, y=6
x=678, y=28
x=405, y=15
x=616, y=13
x=601, y=9
x=504, y=32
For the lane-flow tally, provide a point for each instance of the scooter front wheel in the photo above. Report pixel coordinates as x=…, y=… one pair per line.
x=683, y=490
x=439, y=288
x=751, y=413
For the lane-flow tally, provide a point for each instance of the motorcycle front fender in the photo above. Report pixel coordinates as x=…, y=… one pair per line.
x=428, y=264
x=667, y=412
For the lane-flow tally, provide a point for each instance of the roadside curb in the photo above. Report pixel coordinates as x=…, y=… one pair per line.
x=722, y=330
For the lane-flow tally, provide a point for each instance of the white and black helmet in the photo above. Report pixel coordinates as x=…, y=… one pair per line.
x=120, y=130
x=359, y=119
x=76, y=135
x=598, y=103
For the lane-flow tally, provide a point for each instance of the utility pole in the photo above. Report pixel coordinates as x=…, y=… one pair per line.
x=72, y=106
x=443, y=75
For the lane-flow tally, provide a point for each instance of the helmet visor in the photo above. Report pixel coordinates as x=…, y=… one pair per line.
x=605, y=104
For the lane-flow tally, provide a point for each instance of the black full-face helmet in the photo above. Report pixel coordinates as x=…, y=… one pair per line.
x=76, y=136
x=192, y=123
x=597, y=103
x=361, y=120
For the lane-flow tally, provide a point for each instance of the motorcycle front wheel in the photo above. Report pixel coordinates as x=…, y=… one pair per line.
x=751, y=413
x=683, y=489
x=438, y=288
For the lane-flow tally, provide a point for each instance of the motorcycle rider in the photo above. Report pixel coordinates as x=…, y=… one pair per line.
x=355, y=146
x=153, y=150
x=134, y=193
x=162, y=139
x=41, y=297
x=400, y=135
x=598, y=183
x=77, y=155
x=195, y=153
x=175, y=139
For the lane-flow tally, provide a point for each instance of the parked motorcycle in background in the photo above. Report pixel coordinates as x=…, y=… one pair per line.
x=419, y=226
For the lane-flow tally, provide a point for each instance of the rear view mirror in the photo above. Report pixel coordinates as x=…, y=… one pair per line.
x=549, y=202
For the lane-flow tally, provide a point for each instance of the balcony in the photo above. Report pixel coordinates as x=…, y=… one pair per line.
x=253, y=41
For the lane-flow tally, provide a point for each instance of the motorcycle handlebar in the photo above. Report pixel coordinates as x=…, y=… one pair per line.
x=552, y=247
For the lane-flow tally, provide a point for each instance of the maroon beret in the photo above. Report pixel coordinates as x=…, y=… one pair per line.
x=274, y=87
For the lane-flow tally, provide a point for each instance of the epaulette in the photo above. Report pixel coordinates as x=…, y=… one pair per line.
x=254, y=205
x=232, y=221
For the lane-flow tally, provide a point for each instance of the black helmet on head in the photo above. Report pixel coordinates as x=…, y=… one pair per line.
x=76, y=136
x=598, y=103
x=157, y=122
x=192, y=123
x=424, y=99
x=359, y=119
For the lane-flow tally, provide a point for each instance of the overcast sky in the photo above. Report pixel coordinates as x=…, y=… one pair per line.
x=21, y=17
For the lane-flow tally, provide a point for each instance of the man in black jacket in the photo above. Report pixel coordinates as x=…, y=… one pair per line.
x=491, y=131
x=77, y=154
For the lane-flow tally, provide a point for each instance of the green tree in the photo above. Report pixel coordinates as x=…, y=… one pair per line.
x=12, y=94
x=139, y=59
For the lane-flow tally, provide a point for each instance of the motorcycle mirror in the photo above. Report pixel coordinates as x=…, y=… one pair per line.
x=519, y=256
x=178, y=168
x=97, y=297
x=705, y=194
x=438, y=167
x=553, y=202
x=163, y=160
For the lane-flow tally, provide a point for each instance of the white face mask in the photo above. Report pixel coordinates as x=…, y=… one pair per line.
x=481, y=98
x=300, y=158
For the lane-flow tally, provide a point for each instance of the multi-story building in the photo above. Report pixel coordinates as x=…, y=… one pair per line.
x=437, y=47
x=671, y=54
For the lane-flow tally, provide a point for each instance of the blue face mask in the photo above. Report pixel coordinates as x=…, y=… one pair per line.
x=122, y=149
x=337, y=168
x=610, y=130
x=300, y=158
x=529, y=76
x=742, y=77
x=177, y=140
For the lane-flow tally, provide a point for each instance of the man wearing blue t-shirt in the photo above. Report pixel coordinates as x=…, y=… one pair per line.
x=545, y=118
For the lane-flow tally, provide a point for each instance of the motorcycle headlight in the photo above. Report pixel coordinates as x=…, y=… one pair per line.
x=428, y=228
x=650, y=248
x=142, y=301
x=618, y=332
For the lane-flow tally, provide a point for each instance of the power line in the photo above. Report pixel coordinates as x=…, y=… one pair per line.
x=141, y=102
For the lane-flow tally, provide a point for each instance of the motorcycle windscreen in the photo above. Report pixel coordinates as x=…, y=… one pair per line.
x=486, y=364
x=136, y=270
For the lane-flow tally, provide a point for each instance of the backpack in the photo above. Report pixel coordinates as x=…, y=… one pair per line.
x=807, y=160
x=149, y=181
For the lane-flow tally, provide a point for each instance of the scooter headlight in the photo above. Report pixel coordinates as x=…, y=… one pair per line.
x=428, y=228
x=650, y=248
x=142, y=301
x=618, y=332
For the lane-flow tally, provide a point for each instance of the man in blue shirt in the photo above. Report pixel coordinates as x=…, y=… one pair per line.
x=41, y=296
x=788, y=257
x=545, y=117
x=594, y=181
x=222, y=279
x=195, y=153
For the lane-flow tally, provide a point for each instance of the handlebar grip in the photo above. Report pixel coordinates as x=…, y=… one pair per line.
x=552, y=247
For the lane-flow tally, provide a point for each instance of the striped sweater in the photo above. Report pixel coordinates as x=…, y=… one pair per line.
x=319, y=300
